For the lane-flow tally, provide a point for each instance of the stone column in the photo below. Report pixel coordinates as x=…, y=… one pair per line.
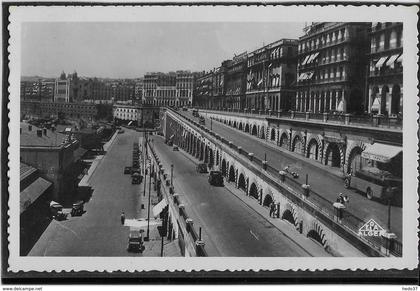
x=297, y=101
x=330, y=94
x=336, y=99
x=370, y=100
x=325, y=102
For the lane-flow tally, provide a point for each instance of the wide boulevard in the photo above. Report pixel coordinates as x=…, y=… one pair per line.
x=99, y=232
x=229, y=226
x=328, y=185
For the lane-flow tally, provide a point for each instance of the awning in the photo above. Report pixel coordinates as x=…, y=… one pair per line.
x=392, y=60
x=31, y=193
x=309, y=75
x=302, y=76
x=399, y=59
x=312, y=58
x=381, y=152
x=140, y=223
x=340, y=106
x=381, y=62
x=376, y=105
x=157, y=209
x=259, y=82
x=305, y=60
x=130, y=123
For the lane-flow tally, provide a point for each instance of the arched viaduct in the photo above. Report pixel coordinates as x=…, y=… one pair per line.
x=207, y=149
x=331, y=145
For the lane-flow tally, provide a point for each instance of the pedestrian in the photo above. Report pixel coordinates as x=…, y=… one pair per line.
x=271, y=209
x=122, y=217
x=341, y=198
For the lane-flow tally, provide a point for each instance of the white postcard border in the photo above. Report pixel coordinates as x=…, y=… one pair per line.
x=404, y=14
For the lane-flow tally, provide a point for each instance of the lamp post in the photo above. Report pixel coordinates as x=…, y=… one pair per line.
x=148, y=205
x=172, y=174
x=211, y=124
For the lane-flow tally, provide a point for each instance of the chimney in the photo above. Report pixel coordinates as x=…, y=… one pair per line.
x=30, y=127
x=45, y=131
x=39, y=132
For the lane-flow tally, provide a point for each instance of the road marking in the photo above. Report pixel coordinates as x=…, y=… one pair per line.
x=254, y=235
x=69, y=229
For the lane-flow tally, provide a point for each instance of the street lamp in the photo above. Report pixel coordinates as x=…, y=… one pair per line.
x=172, y=174
x=148, y=205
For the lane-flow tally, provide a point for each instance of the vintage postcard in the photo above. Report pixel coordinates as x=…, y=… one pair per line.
x=212, y=138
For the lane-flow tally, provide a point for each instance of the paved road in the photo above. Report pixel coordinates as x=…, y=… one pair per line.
x=327, y=185
x=230, y=227
x=99, y=231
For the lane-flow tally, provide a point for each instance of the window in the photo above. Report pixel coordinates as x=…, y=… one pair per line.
x=387, y=38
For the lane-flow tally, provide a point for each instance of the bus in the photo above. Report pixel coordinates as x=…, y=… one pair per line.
x=379, y=175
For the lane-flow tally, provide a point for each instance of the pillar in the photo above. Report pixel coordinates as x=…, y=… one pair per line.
x=370, y=100
x=336, y=99
x=330, y=94
x=325, y=102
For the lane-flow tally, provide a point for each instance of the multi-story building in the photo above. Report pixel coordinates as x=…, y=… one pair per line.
x=171, y=89
x=184, y=88
x=332, y=67
x=203, y=89
x=386, y=69
x=138, y=90
x=127, y=113
x=53, y=154
x=236, y=81
x=123, y=91
x=271, y=74
x=218, y=100
x=40, y=90
x=62, y=89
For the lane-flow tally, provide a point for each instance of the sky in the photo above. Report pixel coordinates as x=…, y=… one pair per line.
x=129, y=50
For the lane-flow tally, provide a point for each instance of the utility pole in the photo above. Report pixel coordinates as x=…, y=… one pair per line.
x=172, y=174
x=148, y=205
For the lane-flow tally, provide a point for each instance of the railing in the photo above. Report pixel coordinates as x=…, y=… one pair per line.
x=318, y=203
x=381, y=121
x=199, y=245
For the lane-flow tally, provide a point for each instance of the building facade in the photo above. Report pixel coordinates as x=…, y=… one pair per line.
x=332, y=59
x=168, y=89
x=271, y=76
x=127, y=113
x=203, y=90
x=58, y=110
x=236, y=81
x=62, y=89
x=184, y=88
x=386, y=69
x=218, y=96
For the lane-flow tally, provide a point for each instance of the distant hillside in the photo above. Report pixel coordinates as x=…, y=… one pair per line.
x=33, y=78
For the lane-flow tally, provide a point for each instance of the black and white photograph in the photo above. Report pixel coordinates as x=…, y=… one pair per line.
x=212, y=138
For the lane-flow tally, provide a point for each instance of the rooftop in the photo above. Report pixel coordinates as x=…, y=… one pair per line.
x=31, y=138
x=26, y=170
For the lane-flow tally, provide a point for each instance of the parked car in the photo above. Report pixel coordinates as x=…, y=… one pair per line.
x=136, y=178
x=175, y=148
x=121, y=131
x=184, y=108
x=127, y=170
x=202, y=168
x=202, y=120
x=216, y=178
x=77, y=208
x=135, y=241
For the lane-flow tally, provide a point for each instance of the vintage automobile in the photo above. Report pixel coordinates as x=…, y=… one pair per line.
x=57, y=211
x=175, y=148
x=291, y=171
x=135, y=241
x=127, y=170
x=202, y=168
x=77, y=208
x=136, y=178
x=216, y=178
x=202, y=121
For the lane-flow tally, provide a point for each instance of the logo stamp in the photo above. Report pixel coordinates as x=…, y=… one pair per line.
x=371, y=228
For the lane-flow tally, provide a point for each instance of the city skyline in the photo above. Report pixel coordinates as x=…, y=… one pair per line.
x=96, y=56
